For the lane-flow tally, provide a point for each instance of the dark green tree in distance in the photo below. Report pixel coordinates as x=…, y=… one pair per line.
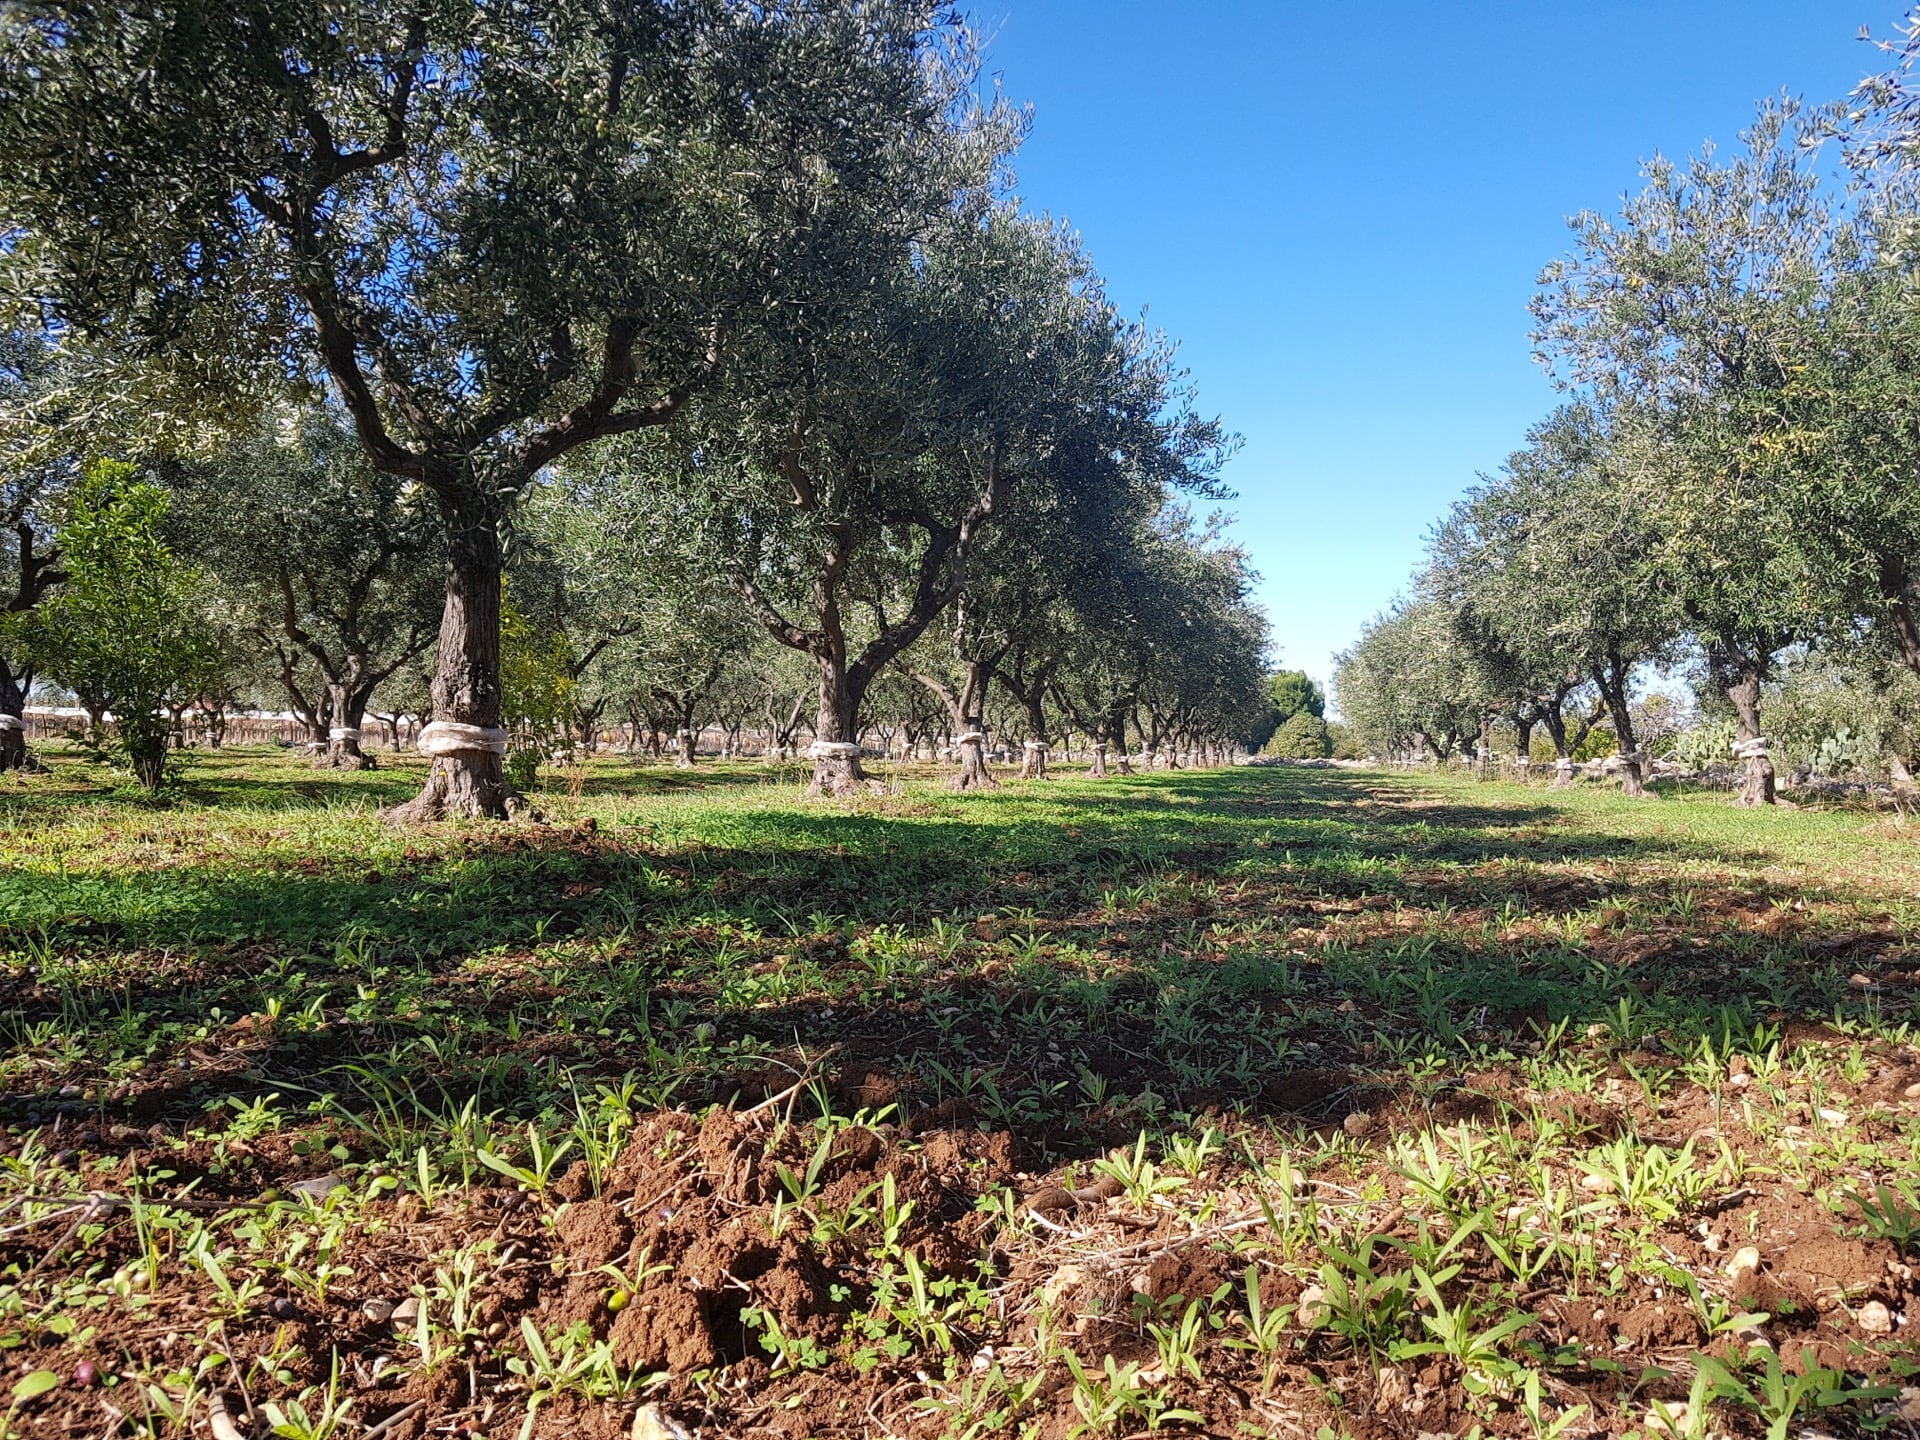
x=1293, y=691
x=34, y=480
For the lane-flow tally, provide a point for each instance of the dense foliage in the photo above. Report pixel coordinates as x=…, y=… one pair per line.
x=1727, y=494
x=713, y=328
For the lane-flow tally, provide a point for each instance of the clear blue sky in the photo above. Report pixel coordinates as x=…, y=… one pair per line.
x=1340, y=209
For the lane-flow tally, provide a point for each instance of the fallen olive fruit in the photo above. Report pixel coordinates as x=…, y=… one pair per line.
x=617, y=1301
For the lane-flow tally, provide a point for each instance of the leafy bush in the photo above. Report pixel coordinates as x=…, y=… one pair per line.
x=128, y=631
x=1303, y=737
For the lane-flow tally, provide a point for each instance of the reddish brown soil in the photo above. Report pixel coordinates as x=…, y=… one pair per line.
x=694, y=1202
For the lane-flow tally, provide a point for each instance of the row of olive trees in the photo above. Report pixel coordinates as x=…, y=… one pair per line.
x=325, y=601
x=742, y=282
x=1734, y=479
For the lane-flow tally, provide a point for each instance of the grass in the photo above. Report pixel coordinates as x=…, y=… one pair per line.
x=1442, y=1054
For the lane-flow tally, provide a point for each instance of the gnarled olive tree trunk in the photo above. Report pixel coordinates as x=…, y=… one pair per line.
x=966, y=712
x=1611, y=680
x=464, y=742
x=1743, y=690
x=971, y=743
x=1031, y=691
x=13, y=720
x=836, y=729
x=347, y=713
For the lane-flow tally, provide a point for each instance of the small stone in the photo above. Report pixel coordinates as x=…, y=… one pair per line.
x=1063, y=1282
x=650, y=1422
x=1598, y=1184
x=1875, y=1318
x=1835, y=1118
x=1714, y=1243
x=1675, y=1420
x=281, y=1308
x=1359, y=1123
x=318, y=1188
x=1912, y=1092
x=1313, y=1307
x=377, y=1310
x=1745, y=1261
x=406, y=1312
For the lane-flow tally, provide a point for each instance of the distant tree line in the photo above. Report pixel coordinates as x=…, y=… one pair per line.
x=1731, y=489
x=543, y=370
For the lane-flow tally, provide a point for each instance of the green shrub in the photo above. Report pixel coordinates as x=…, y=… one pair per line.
x=1303, y=737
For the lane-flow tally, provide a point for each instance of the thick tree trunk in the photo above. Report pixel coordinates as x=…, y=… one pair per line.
x=1555, y=720
x=971, y=743
x=684, y=740
x=1116, y=737
x=347, y=707
x=836, y=749
x=586, y=725
x=1613, y=689
x=464, y=743
x=1756, y=785
x=13, y=720
x=1033, y=702
x=971, y=749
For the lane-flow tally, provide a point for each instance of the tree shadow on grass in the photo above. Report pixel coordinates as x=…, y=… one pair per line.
x=1174, y=946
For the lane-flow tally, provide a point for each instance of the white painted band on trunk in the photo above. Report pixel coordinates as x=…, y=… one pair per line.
x=1563, y=763
x=1033, y=744
x=1754, y=749
x=972, y=737
x=343, y=732
x=12, y=722
x=833, y=750
x=450, y=737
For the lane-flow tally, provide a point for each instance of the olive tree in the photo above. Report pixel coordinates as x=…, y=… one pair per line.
x=1674, y=314
x=326, y=562
x=499, y=233
x=34, y=478
x=848, y=503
